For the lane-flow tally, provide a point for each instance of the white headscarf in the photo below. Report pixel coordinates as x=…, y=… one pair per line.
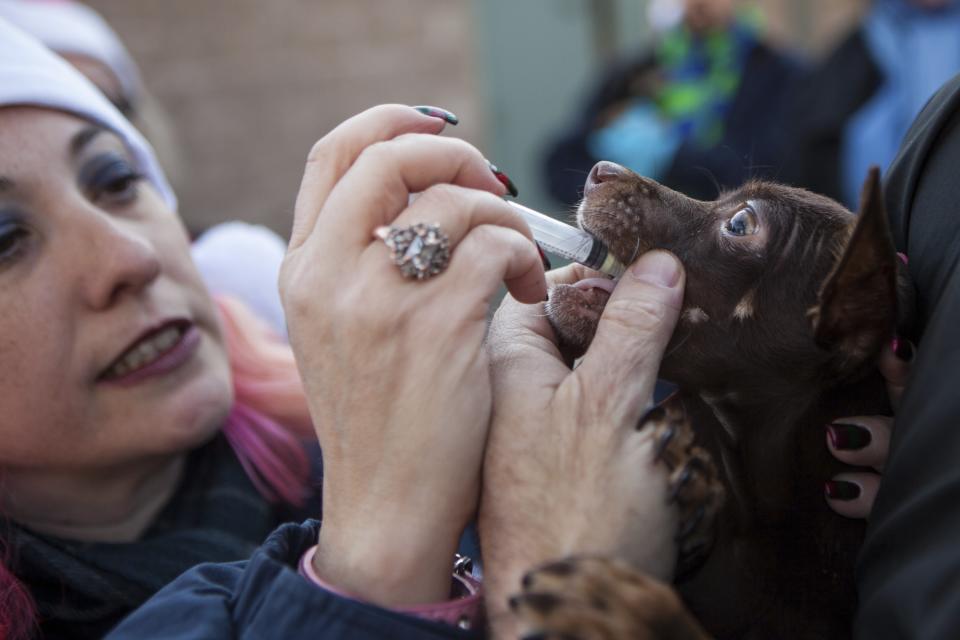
x=31, y=74
x=72, y=28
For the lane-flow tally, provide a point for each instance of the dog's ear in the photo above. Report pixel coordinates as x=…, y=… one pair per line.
x=857, y=310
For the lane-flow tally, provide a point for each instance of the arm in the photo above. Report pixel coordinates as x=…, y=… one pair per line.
x=265, y=597
x=397, y=382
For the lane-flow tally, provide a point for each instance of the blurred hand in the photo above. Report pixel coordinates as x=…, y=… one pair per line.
x=396, y=375
x=566, y=470
x=864, y=441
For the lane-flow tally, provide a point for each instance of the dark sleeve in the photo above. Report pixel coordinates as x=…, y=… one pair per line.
x=265, y=597
x=567, y=160
x=824, y=100
x=908, y=572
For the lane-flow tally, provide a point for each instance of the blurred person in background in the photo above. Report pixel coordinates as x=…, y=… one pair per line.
x=852, y=111
x=234, y=257
x=698, y=111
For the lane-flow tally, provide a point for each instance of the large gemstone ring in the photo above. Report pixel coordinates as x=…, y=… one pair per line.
x=421, y=250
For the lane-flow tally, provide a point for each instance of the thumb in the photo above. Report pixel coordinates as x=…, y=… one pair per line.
x=637, y=322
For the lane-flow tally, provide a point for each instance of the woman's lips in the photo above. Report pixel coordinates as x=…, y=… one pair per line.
x=159, y=355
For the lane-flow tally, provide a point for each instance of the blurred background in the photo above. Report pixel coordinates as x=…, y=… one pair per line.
x=249, y=85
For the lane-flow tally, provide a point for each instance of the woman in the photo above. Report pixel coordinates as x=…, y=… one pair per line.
x=121, y=479
x=75, y=460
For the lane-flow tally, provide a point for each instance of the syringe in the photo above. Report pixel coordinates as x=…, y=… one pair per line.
x=569, y=242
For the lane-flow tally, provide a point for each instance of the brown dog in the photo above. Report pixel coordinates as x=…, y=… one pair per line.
x=789, y=299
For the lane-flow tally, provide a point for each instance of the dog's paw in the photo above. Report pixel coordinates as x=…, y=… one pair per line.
x=694, y=484
x=587, y=598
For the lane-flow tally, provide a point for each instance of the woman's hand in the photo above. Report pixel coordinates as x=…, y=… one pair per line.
x=864, y=441
x=396, y=376
x=566, y=470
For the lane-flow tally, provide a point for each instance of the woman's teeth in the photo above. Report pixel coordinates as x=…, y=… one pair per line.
x=145, y=352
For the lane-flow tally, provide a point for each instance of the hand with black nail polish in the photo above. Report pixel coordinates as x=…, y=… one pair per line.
x=864, y=441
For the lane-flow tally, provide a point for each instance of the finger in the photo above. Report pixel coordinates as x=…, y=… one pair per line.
x=862, y=441
x=490, y=255
x=637, y=322
x=894, y=364
x=378, y=186
x=457, y=210
x=333, y=154
x=852, y=494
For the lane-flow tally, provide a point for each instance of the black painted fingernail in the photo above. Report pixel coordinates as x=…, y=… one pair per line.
x=536, y=635
x=847, y=437
x=903, y=349
x=513, y=602
x=841, y=490
x=544, y=259
x=437, y=112
x=504, y=179
x=527, y=580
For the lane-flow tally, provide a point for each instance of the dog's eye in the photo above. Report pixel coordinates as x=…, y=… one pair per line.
x=743, y=222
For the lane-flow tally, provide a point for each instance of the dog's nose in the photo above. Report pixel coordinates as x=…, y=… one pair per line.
x=603, y=172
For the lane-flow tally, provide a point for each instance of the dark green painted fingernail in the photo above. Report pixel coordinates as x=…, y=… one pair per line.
x=504, y=179
x=841, y=490
x=847, y=437
x=437, y=112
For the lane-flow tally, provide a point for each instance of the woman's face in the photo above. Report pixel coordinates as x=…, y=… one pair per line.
x=110, y=348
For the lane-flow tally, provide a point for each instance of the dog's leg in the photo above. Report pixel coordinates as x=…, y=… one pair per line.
x=695, y=485
x=588, y=598
x=583, y=598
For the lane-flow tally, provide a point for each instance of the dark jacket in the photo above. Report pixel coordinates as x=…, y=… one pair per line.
x=752, y=146
x=265, y=597
x=909, y=568
x=83, y=589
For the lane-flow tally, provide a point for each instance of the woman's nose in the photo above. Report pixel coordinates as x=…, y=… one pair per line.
x=121, y=260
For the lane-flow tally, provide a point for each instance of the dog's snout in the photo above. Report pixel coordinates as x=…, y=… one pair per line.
x=604, y=172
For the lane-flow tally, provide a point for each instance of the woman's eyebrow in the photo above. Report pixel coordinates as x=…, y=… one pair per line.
x=83, y=137
x=6, y=184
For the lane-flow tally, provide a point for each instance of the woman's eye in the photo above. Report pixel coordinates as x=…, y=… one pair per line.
x=12, y=238
x=743, y=223
x=111, y=177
